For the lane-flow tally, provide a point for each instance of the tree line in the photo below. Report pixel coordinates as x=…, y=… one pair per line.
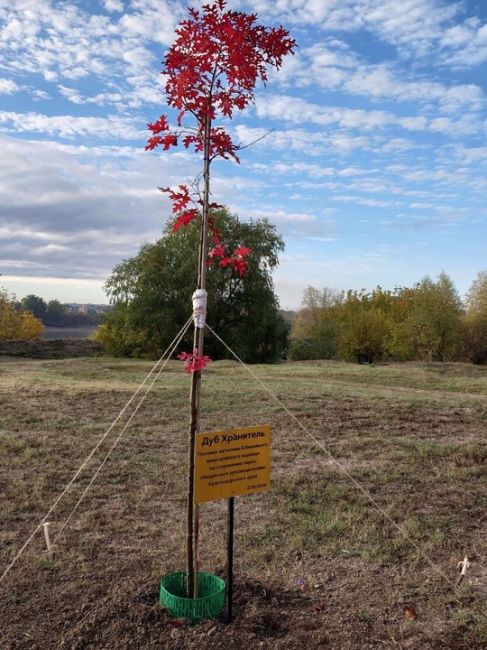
x=151, y=293
x=426, y=322
x=56, y=314
x=25, y=319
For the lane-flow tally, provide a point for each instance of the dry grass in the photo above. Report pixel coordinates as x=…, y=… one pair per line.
x=317, y=564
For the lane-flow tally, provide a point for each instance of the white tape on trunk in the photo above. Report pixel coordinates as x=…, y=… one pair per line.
x=200, y=297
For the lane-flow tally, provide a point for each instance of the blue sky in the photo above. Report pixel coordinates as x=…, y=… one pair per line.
x=375, y=172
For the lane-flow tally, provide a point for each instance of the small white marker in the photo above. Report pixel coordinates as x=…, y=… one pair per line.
x=463, y=565
x=46, y=535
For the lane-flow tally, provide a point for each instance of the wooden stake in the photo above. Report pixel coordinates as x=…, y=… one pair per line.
x=230, y=511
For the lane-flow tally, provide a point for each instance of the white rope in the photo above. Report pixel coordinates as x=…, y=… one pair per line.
x=88, y=458
x=127, y=424
x=336, y=462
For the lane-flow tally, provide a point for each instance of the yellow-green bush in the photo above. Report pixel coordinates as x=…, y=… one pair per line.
x=15, y=324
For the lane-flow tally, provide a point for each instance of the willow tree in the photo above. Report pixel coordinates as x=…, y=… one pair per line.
x=212, y=69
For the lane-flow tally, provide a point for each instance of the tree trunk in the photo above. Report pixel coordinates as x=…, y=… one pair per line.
x=195, y=397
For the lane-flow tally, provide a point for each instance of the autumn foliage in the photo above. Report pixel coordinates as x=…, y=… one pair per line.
x=426, y=322
x=212, y=69
x=17, y=324
x=194, y=362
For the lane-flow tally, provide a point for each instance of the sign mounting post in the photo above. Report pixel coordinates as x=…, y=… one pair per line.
x=232, y=463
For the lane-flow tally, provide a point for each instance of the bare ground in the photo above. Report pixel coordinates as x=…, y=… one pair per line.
x=318, y=565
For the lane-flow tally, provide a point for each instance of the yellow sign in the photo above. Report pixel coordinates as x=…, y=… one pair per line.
x=232, y=463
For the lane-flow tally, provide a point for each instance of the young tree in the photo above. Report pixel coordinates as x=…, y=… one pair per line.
x=211, y=69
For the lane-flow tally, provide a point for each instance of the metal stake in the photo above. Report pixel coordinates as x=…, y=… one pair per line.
x=230, y=559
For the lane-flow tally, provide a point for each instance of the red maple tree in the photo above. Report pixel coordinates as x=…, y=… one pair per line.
x=211, y=69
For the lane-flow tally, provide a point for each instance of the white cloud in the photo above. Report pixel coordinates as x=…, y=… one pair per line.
x=465, y=45
x=417, y=28
x=298, y=225
x=76, y=212
x=69, y=126
x=360, y=200
x=62, y=42
x=472, y=155
x=309, y=169
x=113, y=5
x=297, y=110
x=411, y=25
x=398, y=145
x=73, y=95
x=332, y=65
x=8, y=87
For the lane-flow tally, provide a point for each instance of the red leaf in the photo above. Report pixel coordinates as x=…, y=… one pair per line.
x=240, y=266
x=194, y=362
x=168, y=141
x=185, y=218
x=226, y=261
x=215, y=233
x=179, y=199
x=242, y=251
x=188, y=140
x=153, y=142
x=159, y=126
x=218, y=251
x=221, y=144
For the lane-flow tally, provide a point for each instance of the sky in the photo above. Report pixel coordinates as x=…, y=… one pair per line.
x=374, y=172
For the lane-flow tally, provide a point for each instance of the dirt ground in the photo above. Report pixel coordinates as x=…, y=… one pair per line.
x=319, y=563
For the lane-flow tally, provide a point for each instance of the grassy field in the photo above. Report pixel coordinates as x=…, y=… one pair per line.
x=318, y=565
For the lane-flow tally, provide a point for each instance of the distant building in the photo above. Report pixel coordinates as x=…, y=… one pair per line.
x=87, y=308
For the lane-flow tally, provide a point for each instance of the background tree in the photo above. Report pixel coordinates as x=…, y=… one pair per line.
x=16, y=324
x=316, y=327
x=364, y=325
x=35, y=304
x=474, y=334
x=423, y=322
x=56, y=314
x=433, y=324
x=151, y=292
x=477, y=294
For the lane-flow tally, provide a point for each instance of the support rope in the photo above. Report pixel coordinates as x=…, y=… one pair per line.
x=338, y=464
x=127, y=424
x=90, y=455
